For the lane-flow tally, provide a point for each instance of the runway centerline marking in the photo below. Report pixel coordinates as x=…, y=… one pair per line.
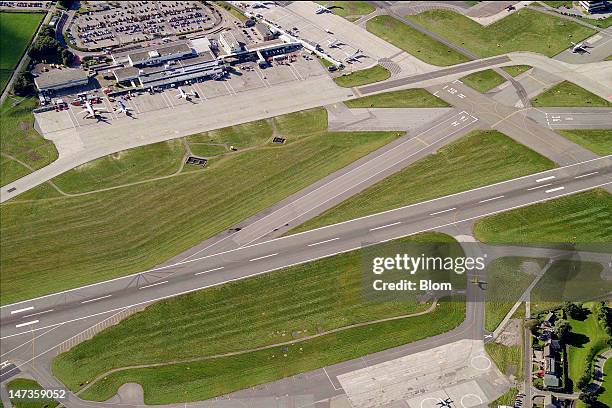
x=552, y=190
x=98, y=298
x=25, y=309
x=586, y=175
x=385, y=226
x=263, y=257
x=39, y=313
x=323, y=242
x=545, y=179
x=153, y=284
x=210, y=270
x=490, y=199
x=443, y=211
x=540, y=186
x=26, y=323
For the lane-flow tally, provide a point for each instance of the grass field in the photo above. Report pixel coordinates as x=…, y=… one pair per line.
x=586, y=334
x=414, y=42
x=582, y=219
x=17, y=30
x=557, y=4
x=525, y=30
x=206, y=150
x=483, y=81
x=25, y=384
x=113, y=233
x=281, y=306
x=348, y=8
x=477, y=159
x=516, y=70
x=376, y=73
x=509, y=359
x=250, y=134
x=19, y=140
x=609, y=58
x=506, y=399
x=606, y=396
x=506, y=280
x=568, y=94
x=598, y=141
x=407, y=98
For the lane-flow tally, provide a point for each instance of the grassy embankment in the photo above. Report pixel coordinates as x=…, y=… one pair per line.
x=366, y=76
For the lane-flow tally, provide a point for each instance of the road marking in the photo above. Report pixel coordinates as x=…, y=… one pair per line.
x=586, y=175
x=323, y=242
x=545, y=179
x=552, y=190
x=26, y=323
x=540, y=186
x=5, y=364
x=98, y=298
x=262, y=257
x=153, y=284
x=385, y=226
x=490, y=199
x=39, y=313
x=25, y=309
x=443, y=211
x=210, y=270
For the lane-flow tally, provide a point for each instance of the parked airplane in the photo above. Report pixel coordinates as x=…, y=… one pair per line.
x=323, y=9
x=445, y=403
x=335, y=43
x=580, y=47
x=258, y=4
x=355, y=56
x=186, y=95
x=91, y=112
x=121, y=108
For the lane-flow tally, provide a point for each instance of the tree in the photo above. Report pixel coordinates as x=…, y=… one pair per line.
x=24, y=84
x=45, y=48
x=589, y=398
x=66, y=3
x=67, y=57
x=562, y=329
x=583, y=381
x=575, y=311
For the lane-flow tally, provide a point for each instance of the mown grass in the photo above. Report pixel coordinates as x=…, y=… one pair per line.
x=206, y=379
x=525, y=30
x=18, y=139
x=477, y=159
x=289, y=304
x=598, y=141
x=366, y=76
x=506, y=280
x=407, y=98
x=17, y=29
x=516, y=70
x=348, y=8
x=586, y=334
x=414, y=42
x=205, y=150
x=26, y=384
x=240, y=136
x=583, y=220
x=483, y=81
x=509, y=359
x=606, y=396
x=506, y=399
x=72, y=241
x=568, y=94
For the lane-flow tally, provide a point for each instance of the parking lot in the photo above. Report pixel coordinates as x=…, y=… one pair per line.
x=244, y=77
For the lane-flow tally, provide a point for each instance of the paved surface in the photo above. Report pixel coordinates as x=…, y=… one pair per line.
x=573, y=118
x=599, y=48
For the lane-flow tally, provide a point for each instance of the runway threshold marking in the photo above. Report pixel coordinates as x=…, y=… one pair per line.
x=94, y=299
x=552, y=190
x=490, y=199
x=443, y=211
x=153, y=284
x=586, y=175
x=540, y=186
x=323, y=242
x=263, y=257
x=545, y=179
x=385, y=226
x=210, y=270
x=25, y=309
x=26, y=323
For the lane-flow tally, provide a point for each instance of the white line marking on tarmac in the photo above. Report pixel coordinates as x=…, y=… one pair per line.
x=153, y=284
x=210, y=270
x=552, y=190
x=25, y=309
x=39, y=313
x=385, y=226
x=586, y=175
x=323, y=242
x=540, y=186
x=490, y=199
x=26, y=323
x=263, y=257
x=443, y=211
x=98, y=298
x=545, y=179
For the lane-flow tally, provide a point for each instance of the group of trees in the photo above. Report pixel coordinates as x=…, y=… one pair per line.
x=47, y=48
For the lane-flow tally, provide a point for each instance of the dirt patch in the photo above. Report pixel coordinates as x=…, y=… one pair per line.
x=511, y=336
x=23, y=126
